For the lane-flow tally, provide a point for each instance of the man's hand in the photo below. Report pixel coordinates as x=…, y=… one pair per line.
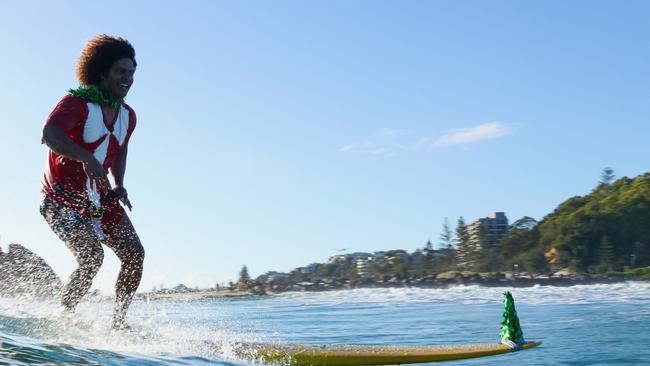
x=122, y=195
x=95, y=171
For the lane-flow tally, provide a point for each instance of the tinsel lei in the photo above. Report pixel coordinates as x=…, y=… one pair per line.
x=94, y=94
x=510, y=331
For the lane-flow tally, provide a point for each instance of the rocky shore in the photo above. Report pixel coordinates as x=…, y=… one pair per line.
x=442, y=280
x=446, y=280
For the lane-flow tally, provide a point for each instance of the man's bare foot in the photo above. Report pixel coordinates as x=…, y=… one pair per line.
x=121, y=326
x=67, y=309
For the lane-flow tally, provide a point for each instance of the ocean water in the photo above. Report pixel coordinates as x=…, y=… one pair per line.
x=579, y=325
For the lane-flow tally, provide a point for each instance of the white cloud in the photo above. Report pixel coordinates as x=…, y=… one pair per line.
x=383, y=143
x=486, y=131
x=369, y=148
x=390, y=142
x=349, y=147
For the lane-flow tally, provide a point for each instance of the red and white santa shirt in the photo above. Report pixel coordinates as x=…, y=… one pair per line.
x=83, y=121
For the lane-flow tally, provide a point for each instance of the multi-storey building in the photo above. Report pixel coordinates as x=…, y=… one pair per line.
x=363, y=269
x=493, y=228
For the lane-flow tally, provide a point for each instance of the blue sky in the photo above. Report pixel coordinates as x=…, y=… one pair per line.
x=272, y=133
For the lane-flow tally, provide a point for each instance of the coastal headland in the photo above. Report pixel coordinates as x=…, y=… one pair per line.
x=442, y=280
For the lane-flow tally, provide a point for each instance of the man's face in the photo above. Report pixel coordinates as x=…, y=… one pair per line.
x=119, y=78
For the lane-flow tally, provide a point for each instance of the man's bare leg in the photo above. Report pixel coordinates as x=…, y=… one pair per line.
x=79, y=236
x=125, y=243
x=89, y=255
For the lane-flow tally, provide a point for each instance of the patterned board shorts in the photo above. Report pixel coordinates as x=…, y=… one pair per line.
x=66, y=223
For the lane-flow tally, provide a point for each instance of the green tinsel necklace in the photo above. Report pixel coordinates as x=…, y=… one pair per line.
x=94, y=94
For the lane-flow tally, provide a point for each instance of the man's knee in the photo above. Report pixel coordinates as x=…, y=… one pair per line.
x=92, y=259
x=138, y=253
x=134, y=256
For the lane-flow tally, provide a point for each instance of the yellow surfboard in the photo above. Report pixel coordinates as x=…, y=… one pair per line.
x=300, y=354
x=340, y=355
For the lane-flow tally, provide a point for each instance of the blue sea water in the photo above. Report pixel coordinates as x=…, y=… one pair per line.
x=579, y=325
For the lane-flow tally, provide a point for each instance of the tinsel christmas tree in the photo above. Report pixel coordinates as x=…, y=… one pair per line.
x=510, y=332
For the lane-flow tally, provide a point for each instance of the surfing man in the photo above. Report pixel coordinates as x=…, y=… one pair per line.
x=88, y=134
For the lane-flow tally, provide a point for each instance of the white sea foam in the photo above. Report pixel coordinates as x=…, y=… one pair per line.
x=157, y=328
x=194, y=327
x=624, y=292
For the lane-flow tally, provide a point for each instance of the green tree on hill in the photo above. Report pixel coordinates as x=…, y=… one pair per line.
x=521, y=246
x=465, y=252
x=245, y=282
x=425, y=259
x=524, y=223
x=446, y=239
x=244, y=277
x=621, y=213
x=605, y=255
x=607, y=176
x=326, y=270
x=428, y=248
x=605, y=183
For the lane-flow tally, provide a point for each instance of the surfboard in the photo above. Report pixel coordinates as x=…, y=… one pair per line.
x=512, y=339
x=339, y=355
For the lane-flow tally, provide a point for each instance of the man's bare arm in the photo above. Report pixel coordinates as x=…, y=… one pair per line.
x=117, y=170
x=119, y=167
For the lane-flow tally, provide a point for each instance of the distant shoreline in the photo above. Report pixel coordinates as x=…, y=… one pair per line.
x=515, y=282
x=194, y=295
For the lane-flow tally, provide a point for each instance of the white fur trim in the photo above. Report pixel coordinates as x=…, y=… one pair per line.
x=121, y=125
x=95, y=127
x=102, y=150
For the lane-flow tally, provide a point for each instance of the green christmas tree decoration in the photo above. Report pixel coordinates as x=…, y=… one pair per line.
x=510, y=332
